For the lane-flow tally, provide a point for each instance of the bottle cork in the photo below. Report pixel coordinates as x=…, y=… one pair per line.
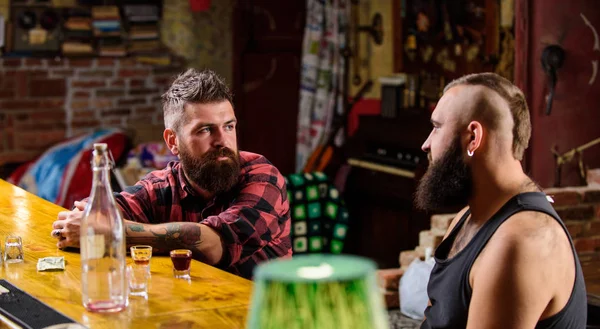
x=100, y=147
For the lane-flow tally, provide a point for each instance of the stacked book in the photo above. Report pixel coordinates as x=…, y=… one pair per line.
x=78, y=36
x=144, y=38
x=106, y=22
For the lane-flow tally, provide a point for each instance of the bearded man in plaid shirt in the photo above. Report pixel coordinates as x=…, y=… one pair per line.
x=229, y=207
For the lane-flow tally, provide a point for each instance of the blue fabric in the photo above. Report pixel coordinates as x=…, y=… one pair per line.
x=46, y=174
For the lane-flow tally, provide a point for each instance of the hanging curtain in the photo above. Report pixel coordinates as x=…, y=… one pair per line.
x=322, y=76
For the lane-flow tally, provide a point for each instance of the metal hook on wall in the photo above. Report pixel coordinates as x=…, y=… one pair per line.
x=552, y=59
x=375, y=30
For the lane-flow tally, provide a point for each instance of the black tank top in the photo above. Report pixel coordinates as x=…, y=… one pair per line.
x=449, y=289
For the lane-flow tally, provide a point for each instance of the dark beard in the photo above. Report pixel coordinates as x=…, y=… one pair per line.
x=447, y=183
x=210, y=174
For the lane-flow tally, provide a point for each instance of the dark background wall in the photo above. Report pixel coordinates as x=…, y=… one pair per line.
x=575, y=114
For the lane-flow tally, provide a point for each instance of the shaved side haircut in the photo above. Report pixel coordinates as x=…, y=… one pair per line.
x=491, y=115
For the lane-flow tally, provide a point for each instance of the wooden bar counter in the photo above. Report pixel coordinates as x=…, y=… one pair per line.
x=211, y=299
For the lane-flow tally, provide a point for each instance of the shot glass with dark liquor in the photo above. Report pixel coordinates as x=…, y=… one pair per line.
x=181, y=258
x=141, y=256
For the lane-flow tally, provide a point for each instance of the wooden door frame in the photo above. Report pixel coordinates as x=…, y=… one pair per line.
x=240, y=42
x=522, y=71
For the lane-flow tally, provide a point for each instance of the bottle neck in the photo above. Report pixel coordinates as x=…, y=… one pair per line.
x=101, y=180
x=101, y=176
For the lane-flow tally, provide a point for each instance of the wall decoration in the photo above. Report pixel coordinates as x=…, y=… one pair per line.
x=472, y=53
x=596, y=47
x=426, y=54
x=203, y=38
x=460, y=35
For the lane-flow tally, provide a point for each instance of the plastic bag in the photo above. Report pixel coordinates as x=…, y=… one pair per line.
x=413, y=288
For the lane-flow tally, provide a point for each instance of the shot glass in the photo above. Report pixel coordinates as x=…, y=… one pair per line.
x=181, y=258
x=13, y=249
x=141, y=256
x=137, y=278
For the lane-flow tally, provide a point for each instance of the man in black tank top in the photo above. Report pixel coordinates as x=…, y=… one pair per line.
x=507, y=260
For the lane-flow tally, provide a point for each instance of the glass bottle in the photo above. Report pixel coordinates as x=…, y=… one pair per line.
x=103, y=275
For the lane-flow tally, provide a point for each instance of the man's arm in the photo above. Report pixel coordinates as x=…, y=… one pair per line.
x=256, y=225
x=259, y=215
x=510, y=280
x=203, y=241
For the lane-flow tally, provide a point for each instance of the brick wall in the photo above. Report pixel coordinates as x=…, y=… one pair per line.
x=427, y=239
x=579, y=207
x=43, y=101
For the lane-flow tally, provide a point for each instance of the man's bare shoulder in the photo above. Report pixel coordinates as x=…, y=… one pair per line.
x=529, y=235
x=531, y=228
x=529, y=241
x=529, y=256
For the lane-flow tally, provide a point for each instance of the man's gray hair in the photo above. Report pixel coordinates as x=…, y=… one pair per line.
x=192, y=86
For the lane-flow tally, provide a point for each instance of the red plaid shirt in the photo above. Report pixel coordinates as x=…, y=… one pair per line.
x=253, y=218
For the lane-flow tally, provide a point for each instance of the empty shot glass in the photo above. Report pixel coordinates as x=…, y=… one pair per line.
x=137, y=278
x=141, y=256
x=181, y=258
x=13, y=249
